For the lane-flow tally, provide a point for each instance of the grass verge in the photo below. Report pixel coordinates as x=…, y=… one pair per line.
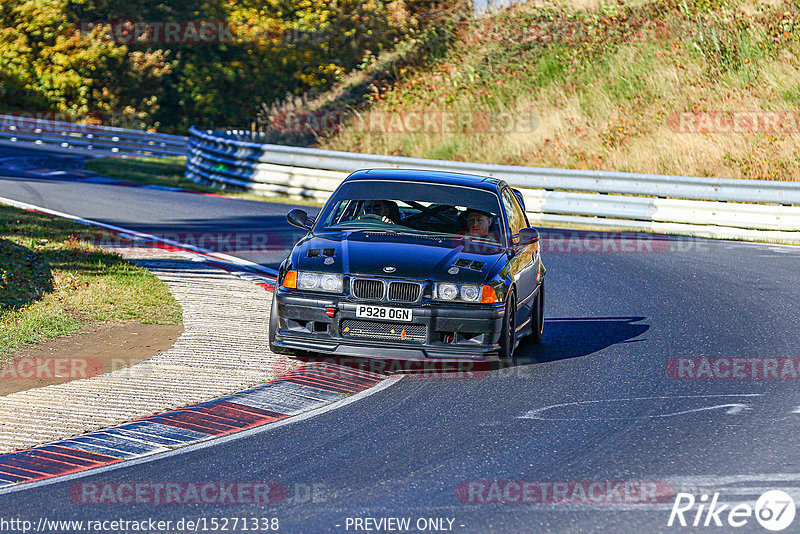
x=53, y=284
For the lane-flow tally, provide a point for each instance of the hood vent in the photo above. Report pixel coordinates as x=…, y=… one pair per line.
x=315, y=252
x=469, y=264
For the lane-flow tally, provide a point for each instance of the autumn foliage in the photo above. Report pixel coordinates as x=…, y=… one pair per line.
x=63, y=57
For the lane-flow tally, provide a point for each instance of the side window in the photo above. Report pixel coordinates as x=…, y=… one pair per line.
x=516, y=217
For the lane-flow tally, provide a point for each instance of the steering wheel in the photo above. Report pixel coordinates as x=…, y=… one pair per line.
x=433, y=212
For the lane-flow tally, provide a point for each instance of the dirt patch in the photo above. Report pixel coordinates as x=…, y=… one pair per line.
x=103, y=348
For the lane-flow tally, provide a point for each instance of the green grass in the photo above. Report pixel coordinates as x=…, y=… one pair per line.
x=52, y=283
x=168, y=171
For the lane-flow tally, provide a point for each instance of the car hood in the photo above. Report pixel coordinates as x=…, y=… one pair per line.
x=410, y=256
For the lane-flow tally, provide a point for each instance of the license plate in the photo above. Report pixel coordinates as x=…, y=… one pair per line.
x=383, y=312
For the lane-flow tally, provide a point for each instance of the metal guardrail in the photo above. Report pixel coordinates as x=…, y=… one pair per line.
x=90, y=139
x=482, y=7
x=696, y=206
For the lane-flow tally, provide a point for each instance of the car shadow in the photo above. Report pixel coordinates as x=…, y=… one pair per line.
x=566, y=338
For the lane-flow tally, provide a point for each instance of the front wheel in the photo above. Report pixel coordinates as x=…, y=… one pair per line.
x=537, y=318
x=508, y=337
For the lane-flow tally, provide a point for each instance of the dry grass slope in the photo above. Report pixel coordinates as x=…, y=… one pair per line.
x=607, y=82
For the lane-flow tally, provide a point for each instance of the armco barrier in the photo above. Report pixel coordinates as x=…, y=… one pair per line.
x=89, y=139
x=695, y=206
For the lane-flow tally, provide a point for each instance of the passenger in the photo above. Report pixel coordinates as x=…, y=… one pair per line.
x=386, y=209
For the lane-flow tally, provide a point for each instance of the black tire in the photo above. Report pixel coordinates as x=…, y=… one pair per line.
x=537, y=320
x=273, y=327
x=508, y=337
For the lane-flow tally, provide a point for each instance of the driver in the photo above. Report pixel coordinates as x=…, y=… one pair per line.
x=387, y=210
x=478, y=223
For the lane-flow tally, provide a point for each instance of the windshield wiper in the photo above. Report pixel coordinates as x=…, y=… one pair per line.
x=411, y=231
x=481, y=239
x=365, y=229
x=379, y=231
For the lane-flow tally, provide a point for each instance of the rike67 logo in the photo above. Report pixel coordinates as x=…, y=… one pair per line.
x=774, y=510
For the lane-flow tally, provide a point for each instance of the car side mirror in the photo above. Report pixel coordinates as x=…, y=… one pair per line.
x=299, y=218
x=528, y=236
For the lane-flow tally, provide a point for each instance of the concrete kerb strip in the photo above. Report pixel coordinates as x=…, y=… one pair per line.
x=217, y=357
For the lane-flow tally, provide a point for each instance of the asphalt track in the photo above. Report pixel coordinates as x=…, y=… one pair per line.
x=593, y=402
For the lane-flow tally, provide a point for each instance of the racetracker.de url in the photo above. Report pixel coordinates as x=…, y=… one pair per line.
x=197, y=524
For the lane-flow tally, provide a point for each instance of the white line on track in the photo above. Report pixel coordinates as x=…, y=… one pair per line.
x=147, y=237
x=733, y=409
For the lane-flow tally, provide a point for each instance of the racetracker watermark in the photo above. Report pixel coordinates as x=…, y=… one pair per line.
x=65, y=122
x=580, y=242
x=187, y=32
x=587, y=242
x=51, y=368
x=733, y=368
x=345, y=368
x=177, y=493
x=424, y=121
x=228, y=493
x=222, y=242
x=63, y=369
x=564, y=492
x=180, y=493
x=735, y=122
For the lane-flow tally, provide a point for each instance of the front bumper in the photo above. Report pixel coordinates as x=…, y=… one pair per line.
x=450, y=332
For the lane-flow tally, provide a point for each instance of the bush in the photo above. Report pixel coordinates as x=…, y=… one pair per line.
x=50, y=65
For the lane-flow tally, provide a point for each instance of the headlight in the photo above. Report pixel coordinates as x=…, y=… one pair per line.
x=465, y=293
x=470, y=293
x=320, y=281
x=331, y=282
x=447, y=291
x=307, y=280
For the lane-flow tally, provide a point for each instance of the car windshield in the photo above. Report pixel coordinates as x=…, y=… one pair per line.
x=414, y=208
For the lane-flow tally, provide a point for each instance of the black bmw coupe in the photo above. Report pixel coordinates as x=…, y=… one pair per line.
x=409, y=264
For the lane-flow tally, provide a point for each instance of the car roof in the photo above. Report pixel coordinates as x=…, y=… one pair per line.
x=434, y=177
